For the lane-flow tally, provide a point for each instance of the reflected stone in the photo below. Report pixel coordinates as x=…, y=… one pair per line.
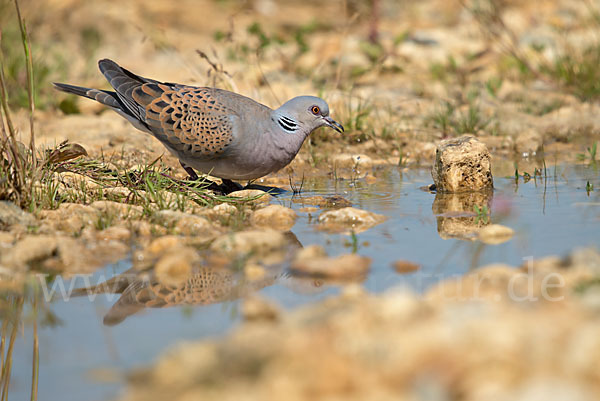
x=456, y=216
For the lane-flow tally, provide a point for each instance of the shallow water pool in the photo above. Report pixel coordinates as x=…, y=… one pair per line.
x=83, y=359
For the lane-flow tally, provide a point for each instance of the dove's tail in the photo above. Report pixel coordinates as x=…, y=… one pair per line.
x=107, y=98
x=122, y=99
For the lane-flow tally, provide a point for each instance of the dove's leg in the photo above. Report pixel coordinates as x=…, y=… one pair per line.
x=226, y=187
x=213, y=186
x=189, y=170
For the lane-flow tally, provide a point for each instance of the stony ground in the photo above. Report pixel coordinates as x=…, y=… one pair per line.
x=518, y=75
x=499, y=333
x=438, y=70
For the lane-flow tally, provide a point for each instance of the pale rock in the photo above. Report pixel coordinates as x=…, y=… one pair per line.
x=370, y=179
x=175, y=267
x=571, y=120
x=72, y=225
x=255, y=308
x=352, y=291
x=328, y=202
x=70, y=218
x=548, y=389
x=493, y=282
x=6, y=240
x=349, y=218
x=72, y=256
x=187, y=224
x=346, y=160
x=121, y=210
x=528, y=142
x=11, y=214
x=254, y=272
x=310, y=252
x=221, y=213
x=400, y=305
x=584, y=258
x=31, y=248
x=196, y=226
x=267, y=246
x=137, y=168
x=116, y=192
x=224, y=209
x=343, y=267
x=591, y=299
x=142, y=229
x=163, y=244
x=421, y=151
x=158, y=248
x=252, y=196
x=274, y=216
x=309, y=210
x=582, y=353
x=87, y=213
x=494, y=234
x=50, y=252
x=74, y=180
x=497, y=142
x=114, y=233
x=405, y=266
x=462, y=164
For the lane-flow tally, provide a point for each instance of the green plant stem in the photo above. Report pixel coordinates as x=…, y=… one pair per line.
x=30, y=92
x=2, y=342
x=11, y=343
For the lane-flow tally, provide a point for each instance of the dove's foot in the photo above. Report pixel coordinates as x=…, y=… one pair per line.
x=225, y=188
x=230, y=186
x=205, y=183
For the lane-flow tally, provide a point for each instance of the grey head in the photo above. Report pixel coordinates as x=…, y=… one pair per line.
x=304, y=114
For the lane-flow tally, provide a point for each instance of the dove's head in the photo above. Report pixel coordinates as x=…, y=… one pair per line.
x=305, y=114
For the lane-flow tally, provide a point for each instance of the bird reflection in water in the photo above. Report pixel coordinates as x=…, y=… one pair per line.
x=208, y=283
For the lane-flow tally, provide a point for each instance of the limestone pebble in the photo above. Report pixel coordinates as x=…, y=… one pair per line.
x=462, y=164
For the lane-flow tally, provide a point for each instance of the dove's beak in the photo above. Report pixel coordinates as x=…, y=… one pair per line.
x=334, y=124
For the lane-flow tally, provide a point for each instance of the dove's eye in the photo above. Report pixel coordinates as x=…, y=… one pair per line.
x=315, y=110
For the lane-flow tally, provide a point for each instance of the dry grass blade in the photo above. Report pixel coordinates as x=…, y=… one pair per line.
x=18, y=164
x=30, y=89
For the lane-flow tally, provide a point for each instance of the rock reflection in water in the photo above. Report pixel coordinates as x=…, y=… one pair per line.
x=456, y=216
x=209, y=282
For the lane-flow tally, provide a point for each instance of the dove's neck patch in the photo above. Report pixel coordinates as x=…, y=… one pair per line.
x=287, y=124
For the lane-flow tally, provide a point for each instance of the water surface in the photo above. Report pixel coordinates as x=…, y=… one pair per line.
x=83, y=359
